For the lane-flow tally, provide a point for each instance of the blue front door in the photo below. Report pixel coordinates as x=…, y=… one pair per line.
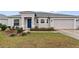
x=29, y=23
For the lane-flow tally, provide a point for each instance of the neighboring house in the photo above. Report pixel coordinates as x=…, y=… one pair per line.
x=30, y=19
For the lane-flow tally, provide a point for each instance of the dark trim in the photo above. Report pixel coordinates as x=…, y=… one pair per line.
x=27, y=17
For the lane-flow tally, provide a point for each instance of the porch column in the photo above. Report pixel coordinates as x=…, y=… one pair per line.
x=22, y=22
x=75, y=23
x=39, y=22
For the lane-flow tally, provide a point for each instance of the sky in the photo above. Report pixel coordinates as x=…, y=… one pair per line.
x=68, y=12
x=11, y=7
x=8, y=13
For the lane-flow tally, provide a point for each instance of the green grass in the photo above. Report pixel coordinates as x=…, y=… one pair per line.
x=38, y=40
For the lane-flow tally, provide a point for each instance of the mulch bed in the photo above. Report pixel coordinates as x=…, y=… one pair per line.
x=10, y=32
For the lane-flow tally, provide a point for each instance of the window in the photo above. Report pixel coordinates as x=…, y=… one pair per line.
x=77, y=20
x=16, y=22
x=47, y=20
x=42, y=20
x=37, y=21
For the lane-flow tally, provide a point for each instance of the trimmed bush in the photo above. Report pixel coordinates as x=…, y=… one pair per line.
x=23, y=34
x=42, y=29
x=28, y=32
x=19, y=30
x=9, y=27
x=13, y=28
x=0, y=25
x=3, y=27
x=36, y=27
x=12, y=35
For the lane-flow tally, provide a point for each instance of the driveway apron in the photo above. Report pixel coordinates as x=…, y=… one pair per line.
x=71, y=33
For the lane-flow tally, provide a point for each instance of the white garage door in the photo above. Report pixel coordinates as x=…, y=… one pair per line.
x=63, y=23
x=4, y=21
x=77, y=24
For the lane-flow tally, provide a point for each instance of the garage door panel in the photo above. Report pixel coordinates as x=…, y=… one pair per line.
x=77, y=24
x=63, y=23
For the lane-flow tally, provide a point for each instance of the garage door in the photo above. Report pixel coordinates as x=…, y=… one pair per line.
x=77, y=24
x=3, y=21
x=63, y=23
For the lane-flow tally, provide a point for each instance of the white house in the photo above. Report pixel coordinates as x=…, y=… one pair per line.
x=30, y=19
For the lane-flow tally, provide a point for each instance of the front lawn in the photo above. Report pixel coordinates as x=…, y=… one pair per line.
x=37, y=40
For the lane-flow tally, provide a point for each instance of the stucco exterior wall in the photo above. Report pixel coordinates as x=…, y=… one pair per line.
x=4, y=21
x=43, y=25
x=11, y=21
x=57, y=23
x=51, y=22
x=23, y=20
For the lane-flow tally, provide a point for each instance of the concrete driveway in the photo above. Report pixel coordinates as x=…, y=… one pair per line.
x=71, y=33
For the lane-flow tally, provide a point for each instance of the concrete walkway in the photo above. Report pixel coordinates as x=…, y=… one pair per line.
x=71, y=33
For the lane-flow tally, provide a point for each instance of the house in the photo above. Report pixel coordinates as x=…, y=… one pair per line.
x=31, y=19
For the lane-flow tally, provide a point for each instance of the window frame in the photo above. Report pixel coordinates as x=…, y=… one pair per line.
x=37, y=21
x=16, y=22
x=42, y=21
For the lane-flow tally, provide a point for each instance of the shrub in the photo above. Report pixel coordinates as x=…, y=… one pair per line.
x=28, y=32
x=3, y=27
x=12, y=35
x=0, y=25
x=23, y=34
x=13, y=28
x=42, y=29
x=9, y=27
x=16, y=27
x=36, y=27
x=19, y=30
x=52, y=29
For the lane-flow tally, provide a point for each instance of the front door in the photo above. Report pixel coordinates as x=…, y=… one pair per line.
x=29, y=23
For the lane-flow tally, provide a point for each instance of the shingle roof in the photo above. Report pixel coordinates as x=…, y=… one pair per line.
x=46, y=14
x=41, y=14
x=3, y=16
x=27, y=12
x=14, y=16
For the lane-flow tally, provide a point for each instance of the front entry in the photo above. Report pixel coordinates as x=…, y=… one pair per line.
x=29, y=23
